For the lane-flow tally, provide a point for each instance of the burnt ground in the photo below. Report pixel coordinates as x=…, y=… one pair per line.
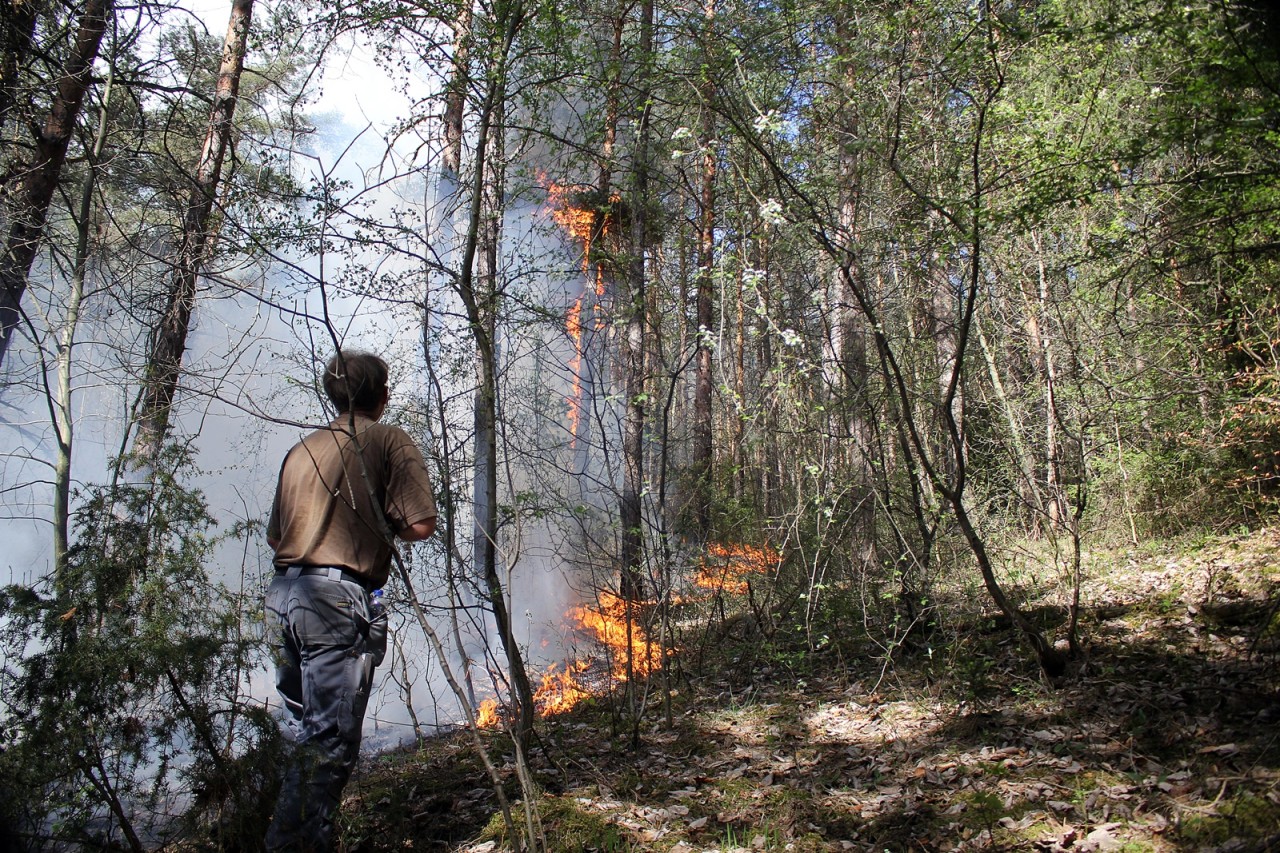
x=1165, y=738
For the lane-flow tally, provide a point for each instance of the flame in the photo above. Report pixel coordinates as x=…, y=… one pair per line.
x=599, y=324
x=612, y=623
x=560, y=690
x=584, y=226
x=728, y=567
x=573, y=324
x=630, y=649
x=487, y=715
x=580, y=222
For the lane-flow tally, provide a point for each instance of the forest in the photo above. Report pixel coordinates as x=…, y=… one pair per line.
x=855, y=424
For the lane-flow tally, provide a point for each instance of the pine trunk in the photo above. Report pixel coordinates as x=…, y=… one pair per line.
x=26, y=229
x=169, y=339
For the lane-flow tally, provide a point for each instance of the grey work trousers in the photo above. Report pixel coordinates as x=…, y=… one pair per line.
x=320, y=625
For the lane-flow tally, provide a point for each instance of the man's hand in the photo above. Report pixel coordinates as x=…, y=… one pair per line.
x=418, y=532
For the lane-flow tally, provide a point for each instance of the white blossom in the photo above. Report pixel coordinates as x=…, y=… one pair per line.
x=769, y=122
x=771, y=211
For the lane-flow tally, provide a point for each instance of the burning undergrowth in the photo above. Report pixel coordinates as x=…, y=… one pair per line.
x=729, y=568
x=619, y=632
x=624, y=651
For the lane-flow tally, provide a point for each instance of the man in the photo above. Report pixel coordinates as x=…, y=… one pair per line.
x=345, y=493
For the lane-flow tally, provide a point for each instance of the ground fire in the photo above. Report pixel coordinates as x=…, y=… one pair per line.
x=728, y=568
x=610, y=627
x=613, y=625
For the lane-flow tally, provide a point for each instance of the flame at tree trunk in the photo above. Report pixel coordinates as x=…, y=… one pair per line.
x=589, y=218
x=573, y=324
x=585, y=226
x=562, y=687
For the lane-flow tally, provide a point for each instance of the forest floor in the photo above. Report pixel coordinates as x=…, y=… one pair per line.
x=1166, y=738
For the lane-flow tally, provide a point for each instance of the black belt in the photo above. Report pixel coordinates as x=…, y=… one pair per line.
x=328, y=571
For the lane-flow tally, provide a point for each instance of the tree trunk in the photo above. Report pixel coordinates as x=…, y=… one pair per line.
x=846, y=370
x=702, y=461
x=169, y=340
x=62, y=420
x=739, y=385
x=1057, y=498
x=486, y=430
x=613, y=108
x=456, y=92
x=630, y=516
x=26, y=229
x=1021, y=455
x=17, y=29
x=476, y=284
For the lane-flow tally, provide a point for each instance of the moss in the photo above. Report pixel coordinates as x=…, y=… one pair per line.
x=1244, y=816
x=1032, y=835
x=1087, y=782
x=567, y=827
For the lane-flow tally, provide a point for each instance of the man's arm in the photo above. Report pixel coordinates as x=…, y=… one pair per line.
x=408, y=488
x=273, y=521
x=418, y=532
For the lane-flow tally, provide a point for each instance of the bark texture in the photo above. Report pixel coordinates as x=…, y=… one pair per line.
x=169, y=341
x=26, y=229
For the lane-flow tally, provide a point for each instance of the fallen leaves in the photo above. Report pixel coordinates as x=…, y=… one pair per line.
x=1128, y=754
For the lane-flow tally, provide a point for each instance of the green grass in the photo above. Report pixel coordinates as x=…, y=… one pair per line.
x=567, y=827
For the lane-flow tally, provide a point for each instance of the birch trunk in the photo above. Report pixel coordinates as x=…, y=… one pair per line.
x=631, y=544
x=62, y=419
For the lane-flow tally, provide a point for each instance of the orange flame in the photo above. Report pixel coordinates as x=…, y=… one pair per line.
x=632, y=654
x=727, y=568
x=630, y=649
x=560, y=689
x=573, y=324
x=487, y=715
x=584, y=226
x=580, y=222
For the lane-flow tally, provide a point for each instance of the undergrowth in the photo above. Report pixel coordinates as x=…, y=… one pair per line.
x=1158, y=741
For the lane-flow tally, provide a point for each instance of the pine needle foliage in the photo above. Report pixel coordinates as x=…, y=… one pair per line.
x=122, y=679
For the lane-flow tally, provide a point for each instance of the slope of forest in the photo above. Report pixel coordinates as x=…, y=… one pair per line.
x=1165, y=738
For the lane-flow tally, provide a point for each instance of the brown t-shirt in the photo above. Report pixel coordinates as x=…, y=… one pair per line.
x=329, y=505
